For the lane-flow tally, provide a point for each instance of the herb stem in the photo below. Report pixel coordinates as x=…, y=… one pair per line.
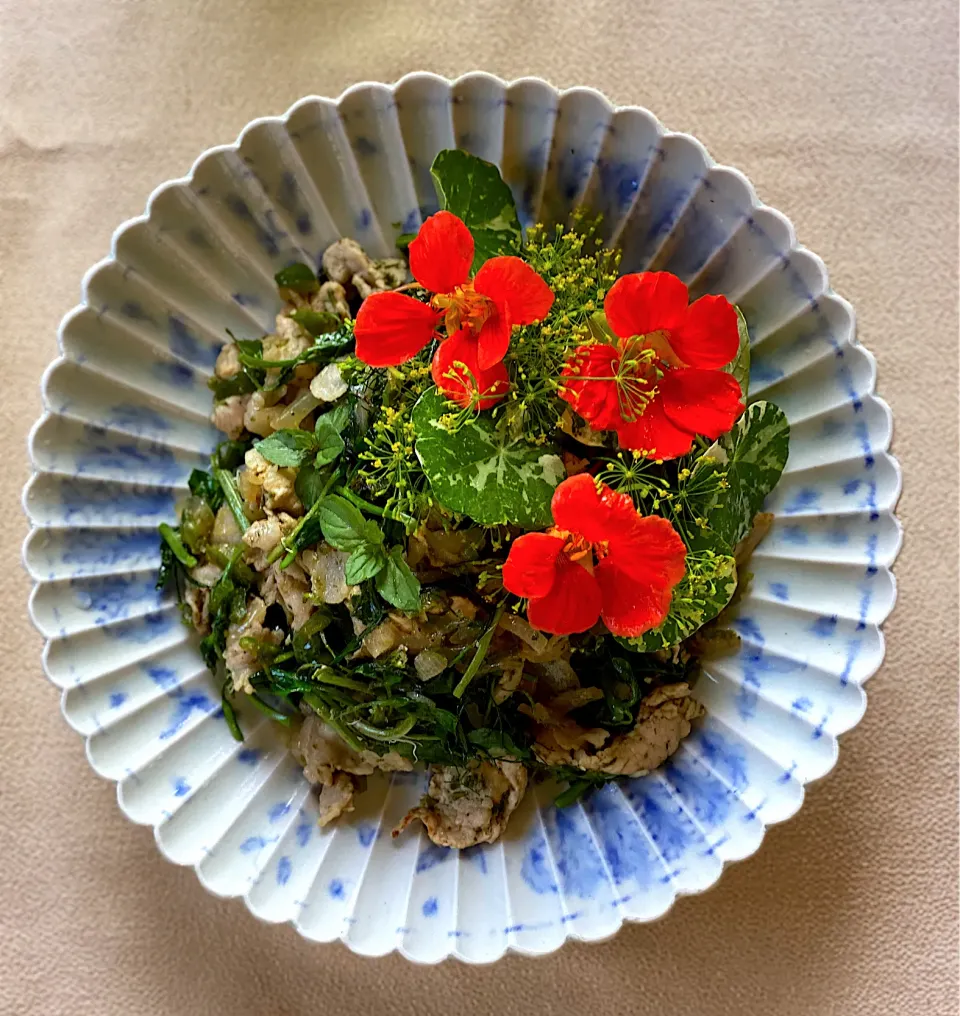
x=268, y=710
x=385, y=733
x=360, y=503
x=372, y=508
x=229, y=714
x=326, y=715
x=324, y=675
x=482, y=647
x=575, y=790
x=288, y=544
x=172, y=539
x=232, y=496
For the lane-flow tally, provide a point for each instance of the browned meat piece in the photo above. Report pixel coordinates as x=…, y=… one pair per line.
x=228, y=415
x=263, y=536
x=662, y=722
x=323, y=754
x=464, y=807
x=336, y=797
x=343, y=259
x=228, y=362
x=241, y=663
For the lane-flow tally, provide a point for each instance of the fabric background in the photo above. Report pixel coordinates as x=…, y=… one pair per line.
x=844, y=115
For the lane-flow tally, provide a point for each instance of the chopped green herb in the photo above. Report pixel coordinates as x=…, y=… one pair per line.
x=299, y=277
x=172, y=539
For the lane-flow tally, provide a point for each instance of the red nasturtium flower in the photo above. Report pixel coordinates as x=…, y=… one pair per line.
x=393, y=327
x=460, y=377
x=661, y=384
x=639, y=559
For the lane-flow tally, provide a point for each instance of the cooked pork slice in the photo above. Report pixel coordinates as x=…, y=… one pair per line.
x=323, y=754
x=466, y=806
x=228, y=415
x=663, y=721
x=336, y=797
x=241, y=663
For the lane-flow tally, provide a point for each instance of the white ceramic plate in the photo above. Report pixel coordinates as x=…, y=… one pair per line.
x=126, y=419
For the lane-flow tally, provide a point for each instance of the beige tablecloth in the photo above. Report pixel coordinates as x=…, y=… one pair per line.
x=844, y=115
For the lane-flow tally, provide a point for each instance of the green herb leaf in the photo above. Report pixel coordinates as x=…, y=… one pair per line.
x=344, y=526
x=475, y=191
x=310, y=483
x=168, y=566
x=316, y=322
x=229, y=455
x=478, y=472
x=223, y=387
x=497, y=743
x=327, y=440
x=203, y=485
x=298, y=277
x=324, y=348
x=308, y=645
x=700, y=595
x=172, y=539
x=364, y=563
x=338, y=417
x=739, y=366
x=753, y=455
x=290, y=447
x=397, y=584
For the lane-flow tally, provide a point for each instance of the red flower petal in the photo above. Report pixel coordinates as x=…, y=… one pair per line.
x=392, y=328
x=457, y=356
x=533, y=564
x=704, y=401
x=493, y=339
x=510, y=281
x=597, y=401
x=646, y=302
x=654, y=434
x=577, y=508
x=442, y=253
x=629, y=608
x=645, y=547
x=708, y=337
x=572, y=605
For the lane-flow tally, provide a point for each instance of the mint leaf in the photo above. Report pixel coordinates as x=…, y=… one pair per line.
x=328, y=442
x=739, y=366
x=753, y=455
x=497, y=743
x=365, y=562
x=240, y=384
x=475, y=191
x=316, y=322
x=338, y=417
x=706, y=588
x=344, y=526
x=309, y=484
x=397, y=584
x=298, y=277
x=478, y=472
x=287, y=447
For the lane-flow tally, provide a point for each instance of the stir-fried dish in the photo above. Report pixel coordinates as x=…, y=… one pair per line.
x=481, y=507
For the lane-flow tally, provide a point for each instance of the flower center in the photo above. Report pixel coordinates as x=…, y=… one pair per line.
x=636, y=374
x=463, y=308
x=579, y=549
